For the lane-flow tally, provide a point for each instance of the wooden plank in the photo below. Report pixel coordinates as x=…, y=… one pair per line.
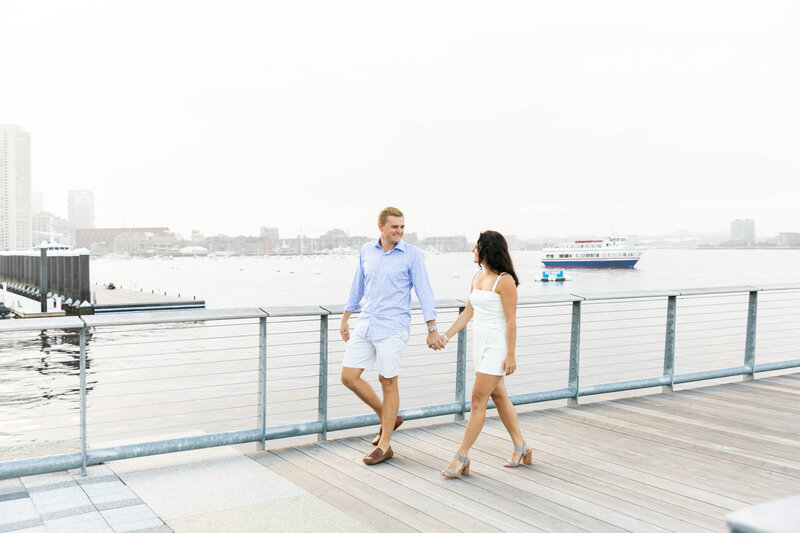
x=627, y=485
x=585, y=453
x=637, y=505
x=380, y=502
x=733, y=415
x=732, y=420
x=376, y=479
x=428, y=483
x=691, y=450
x=543, y=486
x=334, y=495
x=709, y=432
x=424, y=444
x=679, y=465
x=570, y=456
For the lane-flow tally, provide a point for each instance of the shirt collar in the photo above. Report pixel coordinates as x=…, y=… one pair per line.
x=399, y=246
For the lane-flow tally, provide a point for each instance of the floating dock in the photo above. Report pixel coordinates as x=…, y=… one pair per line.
x=121, y=300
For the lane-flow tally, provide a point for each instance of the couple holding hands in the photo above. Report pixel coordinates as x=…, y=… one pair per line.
x=387, y=270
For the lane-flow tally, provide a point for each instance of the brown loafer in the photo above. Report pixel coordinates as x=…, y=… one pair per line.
x=378, y=456
x=377, y=439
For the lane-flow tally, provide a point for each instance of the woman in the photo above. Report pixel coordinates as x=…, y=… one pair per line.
x=493, y=302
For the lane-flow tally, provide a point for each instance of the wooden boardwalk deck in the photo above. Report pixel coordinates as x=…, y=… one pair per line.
x=670, y=462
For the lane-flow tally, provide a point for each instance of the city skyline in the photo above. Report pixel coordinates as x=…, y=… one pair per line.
x=528, y=118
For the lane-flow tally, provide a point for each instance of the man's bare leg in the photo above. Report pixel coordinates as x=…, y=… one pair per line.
x=351, y=378
x=391, y=404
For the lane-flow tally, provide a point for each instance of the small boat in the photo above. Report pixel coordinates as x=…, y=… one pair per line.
x=611, y=252
x=554, y=275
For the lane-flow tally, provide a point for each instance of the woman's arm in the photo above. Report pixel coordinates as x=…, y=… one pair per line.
x=508, y=296
x=463, y=318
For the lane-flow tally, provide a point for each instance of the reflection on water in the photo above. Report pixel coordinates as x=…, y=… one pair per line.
x=41, y=367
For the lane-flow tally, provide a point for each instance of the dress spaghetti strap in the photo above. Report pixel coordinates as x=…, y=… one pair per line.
x=472, y=285
x=497, y=281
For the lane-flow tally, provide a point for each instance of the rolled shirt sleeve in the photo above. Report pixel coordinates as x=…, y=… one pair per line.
x=422, y=286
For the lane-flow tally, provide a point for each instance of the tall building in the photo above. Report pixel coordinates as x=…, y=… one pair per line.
x=271, y=239
x=15, y=188
x=743, y=231
x=80, y=209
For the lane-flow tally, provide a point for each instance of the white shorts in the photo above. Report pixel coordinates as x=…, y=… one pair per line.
x=383, y=355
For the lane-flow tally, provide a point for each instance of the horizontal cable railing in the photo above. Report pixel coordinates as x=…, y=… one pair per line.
x=84, y=390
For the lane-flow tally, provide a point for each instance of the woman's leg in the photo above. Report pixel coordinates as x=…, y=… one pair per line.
x=481, y=390
x=508, y=415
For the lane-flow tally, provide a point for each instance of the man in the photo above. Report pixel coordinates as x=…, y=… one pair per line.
x=386, y=272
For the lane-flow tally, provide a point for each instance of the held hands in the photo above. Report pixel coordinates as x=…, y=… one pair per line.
x=436, y=341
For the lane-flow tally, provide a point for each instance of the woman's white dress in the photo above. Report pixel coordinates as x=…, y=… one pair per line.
x=489, y=323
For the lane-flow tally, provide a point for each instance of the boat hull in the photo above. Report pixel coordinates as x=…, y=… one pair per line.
x=590, y=263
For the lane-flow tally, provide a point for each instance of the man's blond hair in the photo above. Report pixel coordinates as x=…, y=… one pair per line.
x=387, y=212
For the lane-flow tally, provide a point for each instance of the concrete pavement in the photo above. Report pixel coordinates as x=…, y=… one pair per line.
x=218, y=489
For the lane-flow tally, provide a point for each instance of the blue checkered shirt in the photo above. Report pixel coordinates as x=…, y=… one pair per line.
x=384, y=281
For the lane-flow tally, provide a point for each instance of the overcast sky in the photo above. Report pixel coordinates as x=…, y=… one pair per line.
x=529, y=117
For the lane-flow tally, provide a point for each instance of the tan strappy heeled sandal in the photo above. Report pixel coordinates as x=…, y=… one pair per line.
x=463, y=471
x=525, y=459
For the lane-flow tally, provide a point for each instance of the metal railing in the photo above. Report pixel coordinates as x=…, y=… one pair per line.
x=233, y=376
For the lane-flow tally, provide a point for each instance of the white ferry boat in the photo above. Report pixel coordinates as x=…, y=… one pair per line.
x=611, y=252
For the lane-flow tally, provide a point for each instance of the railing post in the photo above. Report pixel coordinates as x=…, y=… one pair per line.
x=262, y=382
x=575, y=352
x=750, y=342
x=43, y=281
x=669, y=343
x=83, y=400
x=461, y=371
x=322, y=407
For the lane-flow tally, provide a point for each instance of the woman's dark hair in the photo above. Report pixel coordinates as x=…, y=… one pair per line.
x=493, y=251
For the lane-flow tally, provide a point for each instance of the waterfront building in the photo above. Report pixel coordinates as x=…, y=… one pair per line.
x=788, y=240
x=87, y=237
x=15, y=188
x=239, y=245
x=457, y=243
x=743, y=231
x=43, y=222
x=144, y=243
x=271, y=239
x=80, y=209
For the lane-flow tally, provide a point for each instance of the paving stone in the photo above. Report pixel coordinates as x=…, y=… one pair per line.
x=60, y=500
x=11, y=485
x=209, y=486
x=20, y=510
x=20, y=526
x=91, y=522
x=108, y=492
x=132, y=518
x=45, y=479
x=34, y=529
x=301, y=514
x=4, y=497
x=92, y=472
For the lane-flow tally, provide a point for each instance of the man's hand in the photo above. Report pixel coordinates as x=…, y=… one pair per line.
x=344, y=330
x=435, y=340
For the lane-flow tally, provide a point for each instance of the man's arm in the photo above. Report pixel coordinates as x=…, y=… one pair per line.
x=422, y=286
x=353, y=300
